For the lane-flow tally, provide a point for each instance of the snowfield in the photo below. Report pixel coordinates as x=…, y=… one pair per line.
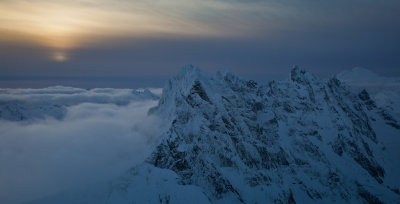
x=205, y=139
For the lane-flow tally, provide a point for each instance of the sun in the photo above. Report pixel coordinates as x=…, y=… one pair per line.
x=59, y=56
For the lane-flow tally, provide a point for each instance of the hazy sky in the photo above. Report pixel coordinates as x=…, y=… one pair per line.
x=108, y=41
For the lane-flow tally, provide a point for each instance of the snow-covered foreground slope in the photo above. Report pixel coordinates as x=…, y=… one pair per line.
x=230, y=140
x=303, y=140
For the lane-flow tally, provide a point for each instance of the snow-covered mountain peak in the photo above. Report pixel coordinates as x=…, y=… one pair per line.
x=385, y=91
x=195, y=88
x=189, y=80
x=189, y=71
x=301, y=76
x=184, y=81
x=363, y=78
x=358, y=73
x=233, y=138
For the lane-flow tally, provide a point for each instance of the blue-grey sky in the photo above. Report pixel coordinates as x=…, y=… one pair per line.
x=141, y=43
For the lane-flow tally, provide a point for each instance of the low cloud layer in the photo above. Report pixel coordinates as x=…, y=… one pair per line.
x=29, y=104
x=69, y=95
x=92, y=142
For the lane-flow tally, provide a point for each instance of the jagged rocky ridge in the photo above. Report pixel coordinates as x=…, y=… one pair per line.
x=304, y=140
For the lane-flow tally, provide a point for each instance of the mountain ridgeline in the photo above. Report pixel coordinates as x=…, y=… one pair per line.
x=302, y=140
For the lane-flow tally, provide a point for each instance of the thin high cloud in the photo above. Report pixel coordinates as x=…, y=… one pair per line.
x=93, y=142
x=147, y=38
x=65, y=25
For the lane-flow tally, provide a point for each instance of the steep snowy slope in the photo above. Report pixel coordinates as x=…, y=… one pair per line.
x=303, y=140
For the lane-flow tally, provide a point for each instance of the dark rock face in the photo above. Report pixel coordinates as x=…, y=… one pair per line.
x=302, y=140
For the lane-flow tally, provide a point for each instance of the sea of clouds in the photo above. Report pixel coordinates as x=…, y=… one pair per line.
x=98, y=135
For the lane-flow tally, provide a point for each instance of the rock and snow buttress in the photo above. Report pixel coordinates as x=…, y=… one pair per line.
x=302, y=140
